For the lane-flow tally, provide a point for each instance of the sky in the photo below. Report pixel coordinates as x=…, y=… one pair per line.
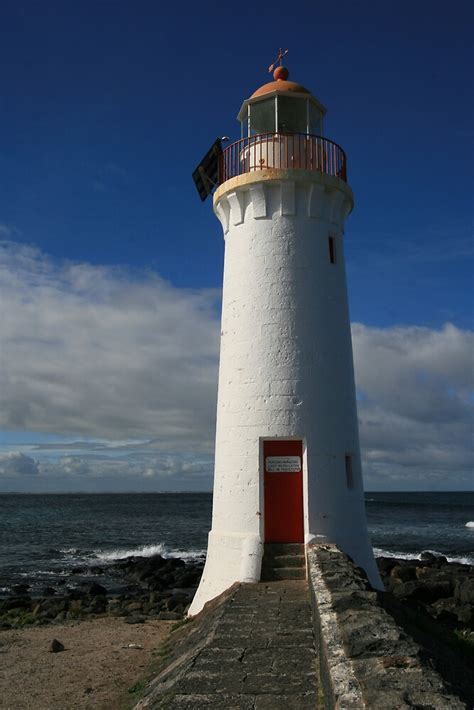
x=111, y=267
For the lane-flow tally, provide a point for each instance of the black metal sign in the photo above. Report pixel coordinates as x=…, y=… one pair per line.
x=206, y=175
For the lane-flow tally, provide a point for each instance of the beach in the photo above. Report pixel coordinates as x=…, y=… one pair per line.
x=103, y=660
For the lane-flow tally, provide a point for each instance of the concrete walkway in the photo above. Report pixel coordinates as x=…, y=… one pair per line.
x=262, y=655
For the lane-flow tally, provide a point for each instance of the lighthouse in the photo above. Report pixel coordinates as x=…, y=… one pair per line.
x=287, y=456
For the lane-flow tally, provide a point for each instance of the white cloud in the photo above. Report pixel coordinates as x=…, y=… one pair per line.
x=127, y=363
x=100, y=352
x=415, y=409
x=16, y=463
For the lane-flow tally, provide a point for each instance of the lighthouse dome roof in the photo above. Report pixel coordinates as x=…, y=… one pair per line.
x=280, y=85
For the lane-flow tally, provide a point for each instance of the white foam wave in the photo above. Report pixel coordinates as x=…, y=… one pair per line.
x=378, y=552
x=470, y=524
x=147, y=551
x=143, y=551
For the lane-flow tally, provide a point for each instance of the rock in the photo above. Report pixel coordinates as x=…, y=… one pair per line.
x=404, y=573
x=19, y=590
x=464, y=591
x=22, y=602
x=134, y=606
x=191, y=577
x=75, y=593
x=135, y=619
x=155, y=598
x=75, y=606
x=427, y=592
x=77, y=570
x=98, y=604
x=169, y=616
x=94, y=589
x=450, y=612
x=429, y=558
x=56, y=646
x=385, y=564
x=48, y=592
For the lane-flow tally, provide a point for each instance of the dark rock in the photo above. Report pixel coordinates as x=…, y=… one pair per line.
x=76, y=593
x=464, y=591
x=56, y=646
x=98, y=604
x=431, y=559
x=191, y=577
x=17, y=603
x=169, y=616
x=427, y=592
x=94, y=589
x=19, y=590
x=385, y=564
x=48, y=592
x=134, y=606
x=404, y=573
x=77, y=570
x=135, y=619
x=451, y=613
x=75, y=606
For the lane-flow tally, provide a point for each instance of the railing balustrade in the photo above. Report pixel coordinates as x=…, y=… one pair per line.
x=283, y=150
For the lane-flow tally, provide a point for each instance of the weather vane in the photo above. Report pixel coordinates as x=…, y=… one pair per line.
x=281, y=54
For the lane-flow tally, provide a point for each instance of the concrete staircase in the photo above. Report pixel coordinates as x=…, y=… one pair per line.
x=283, y=561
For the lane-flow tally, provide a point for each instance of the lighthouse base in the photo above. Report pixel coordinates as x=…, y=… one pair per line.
x=231, y=557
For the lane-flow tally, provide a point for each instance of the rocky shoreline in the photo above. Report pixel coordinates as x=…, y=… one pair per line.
x=162, y=588
x=151, y=588
x=432, y=586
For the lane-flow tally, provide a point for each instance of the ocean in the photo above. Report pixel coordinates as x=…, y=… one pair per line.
x=44, y=537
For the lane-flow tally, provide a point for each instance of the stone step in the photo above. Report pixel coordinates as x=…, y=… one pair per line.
x=284, y=548
x=283, y=561
x=280, y=573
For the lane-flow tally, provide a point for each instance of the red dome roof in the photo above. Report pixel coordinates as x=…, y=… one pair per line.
x=280, y=85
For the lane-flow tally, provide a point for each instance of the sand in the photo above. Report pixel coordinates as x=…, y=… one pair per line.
x=94, y=671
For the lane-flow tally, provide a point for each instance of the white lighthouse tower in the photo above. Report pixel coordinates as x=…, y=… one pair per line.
x=287, y=459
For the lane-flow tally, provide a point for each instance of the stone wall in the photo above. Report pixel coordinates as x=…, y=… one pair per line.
x=367, y=660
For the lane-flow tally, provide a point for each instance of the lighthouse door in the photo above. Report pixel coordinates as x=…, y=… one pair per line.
x=283, y=490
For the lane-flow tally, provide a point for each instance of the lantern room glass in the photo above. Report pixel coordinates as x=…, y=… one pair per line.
x=292, y=115
x=282, y=114
x=262, y=117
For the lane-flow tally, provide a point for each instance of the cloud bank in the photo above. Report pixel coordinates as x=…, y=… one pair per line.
x=127, y=363
x=95, y=351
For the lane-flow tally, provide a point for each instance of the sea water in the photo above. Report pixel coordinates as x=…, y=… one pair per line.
x=44, y=537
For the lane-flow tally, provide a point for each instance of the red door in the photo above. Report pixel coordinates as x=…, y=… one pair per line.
x=283, y=490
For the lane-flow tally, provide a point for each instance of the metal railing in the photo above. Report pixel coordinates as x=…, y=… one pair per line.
x=283, y=150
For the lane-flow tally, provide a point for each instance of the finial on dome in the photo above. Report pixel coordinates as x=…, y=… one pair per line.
x=280, y=72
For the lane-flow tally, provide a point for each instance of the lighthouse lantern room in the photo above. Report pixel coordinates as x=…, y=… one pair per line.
x=287, y=457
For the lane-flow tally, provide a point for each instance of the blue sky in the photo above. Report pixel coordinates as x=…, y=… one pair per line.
x=106, y=109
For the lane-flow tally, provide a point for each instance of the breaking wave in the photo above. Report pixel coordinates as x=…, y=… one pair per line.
x=470, y=524
x=109, y=556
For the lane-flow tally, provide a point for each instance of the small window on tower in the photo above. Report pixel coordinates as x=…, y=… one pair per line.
x=349, y=476
x=332, y=249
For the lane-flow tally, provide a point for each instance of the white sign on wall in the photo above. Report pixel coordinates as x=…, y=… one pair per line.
x=283, y=464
